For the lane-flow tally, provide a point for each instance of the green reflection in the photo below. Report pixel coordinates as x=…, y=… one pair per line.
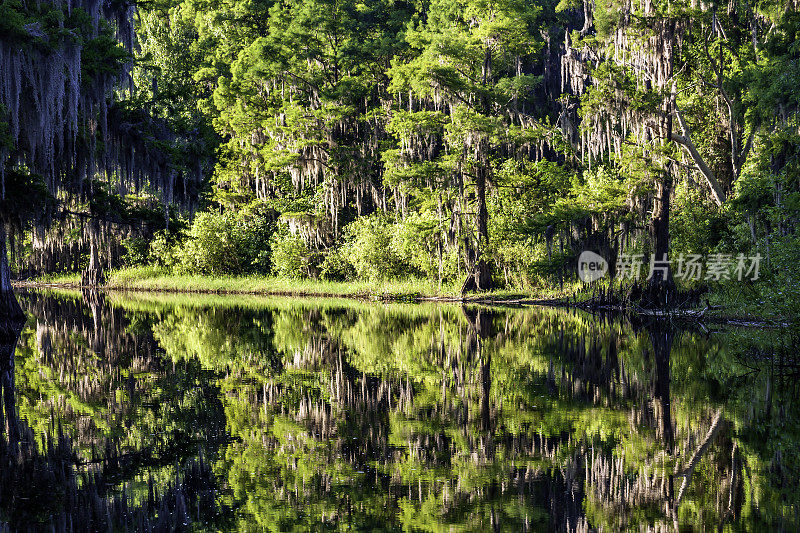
x=332, y=414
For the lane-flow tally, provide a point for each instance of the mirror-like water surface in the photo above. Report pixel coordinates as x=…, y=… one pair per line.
x=132, y=412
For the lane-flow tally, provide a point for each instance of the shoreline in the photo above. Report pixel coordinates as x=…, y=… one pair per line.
x=147, y=279
x=402, y=293
x=363, y=295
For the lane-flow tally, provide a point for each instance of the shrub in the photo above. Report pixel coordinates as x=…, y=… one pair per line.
x=368, y=247
x=229, y=243
x=137, y=251
x=520, y=262
x=696, y=226
x=292, y=257
x=414, y=243
x=163, y=250
x=336, y=266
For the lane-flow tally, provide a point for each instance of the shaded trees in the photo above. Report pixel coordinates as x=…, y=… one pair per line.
x=66, y=125
x=668, y=92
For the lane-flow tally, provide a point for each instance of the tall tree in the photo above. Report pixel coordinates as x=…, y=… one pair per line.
x=662, y=91
x=473, y=64
x=302, y=102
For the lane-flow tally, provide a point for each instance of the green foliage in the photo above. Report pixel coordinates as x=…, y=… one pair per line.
x=368, y=247
x=374, y=120
x=336, y=266
x=414, y=240
x=166, y=93
x=607, y=16
x=102, y=56
x=291, y=256
x=696, y=226
x=137, y=251
x=164, y=249
x=787, y=287
x=27, y=198
x=227, y=244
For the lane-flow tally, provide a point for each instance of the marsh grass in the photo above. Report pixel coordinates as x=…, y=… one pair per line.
x=155, y=279
x=152, y=279
x=70, y=278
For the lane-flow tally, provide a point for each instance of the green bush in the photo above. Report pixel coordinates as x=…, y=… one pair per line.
x=696, y=226
x=137, y=251
x=368, y=247
x=229, y=243
x=413, y=241
x=521, y=263
x=336, y=266
x=164, y=247
x=292, y=257
x=778, y=275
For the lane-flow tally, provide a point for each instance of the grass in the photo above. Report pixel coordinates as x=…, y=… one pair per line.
x=728, y=300
x=72, y=278
x=153, y=301
x=154, y=279
x=766, y=299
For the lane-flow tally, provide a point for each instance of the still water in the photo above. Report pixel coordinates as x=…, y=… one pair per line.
x=151, y=412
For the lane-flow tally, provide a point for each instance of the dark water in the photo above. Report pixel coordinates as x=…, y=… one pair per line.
x=199, y=413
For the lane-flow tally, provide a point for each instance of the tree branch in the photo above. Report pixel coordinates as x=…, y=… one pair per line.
x=685, y=140
x=746, y=150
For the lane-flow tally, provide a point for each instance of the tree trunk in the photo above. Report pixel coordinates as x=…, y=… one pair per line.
x=9, y=306
x=482, y=274
x=662, y=337
x=93, y=276
x=685, y=140
x=661, y=286
x=481, y=327
x=480, y=279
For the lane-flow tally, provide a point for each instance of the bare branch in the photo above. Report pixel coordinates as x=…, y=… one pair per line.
x=685, y=140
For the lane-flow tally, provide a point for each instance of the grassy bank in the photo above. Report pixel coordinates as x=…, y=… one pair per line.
x=147, y=279
x=738, y=302
x=154, y=279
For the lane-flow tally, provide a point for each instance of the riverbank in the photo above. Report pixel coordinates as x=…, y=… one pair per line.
x=718, y=307
x=155, y=280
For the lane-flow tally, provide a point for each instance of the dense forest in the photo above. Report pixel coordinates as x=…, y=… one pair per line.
x=485, y=152
x=486, y=141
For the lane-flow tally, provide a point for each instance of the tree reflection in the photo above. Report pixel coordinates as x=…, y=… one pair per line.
x=64, y=463
x=345, y=415
x=9, y=337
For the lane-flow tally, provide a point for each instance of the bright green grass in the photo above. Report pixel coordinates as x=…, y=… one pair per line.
x=71, y=278
x=151, y=279
x=158, y=280
x=737, y=300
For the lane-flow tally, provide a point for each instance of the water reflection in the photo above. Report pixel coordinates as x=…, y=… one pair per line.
x=141, y=412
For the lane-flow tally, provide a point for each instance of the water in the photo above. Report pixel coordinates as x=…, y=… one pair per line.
x=226, y=413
